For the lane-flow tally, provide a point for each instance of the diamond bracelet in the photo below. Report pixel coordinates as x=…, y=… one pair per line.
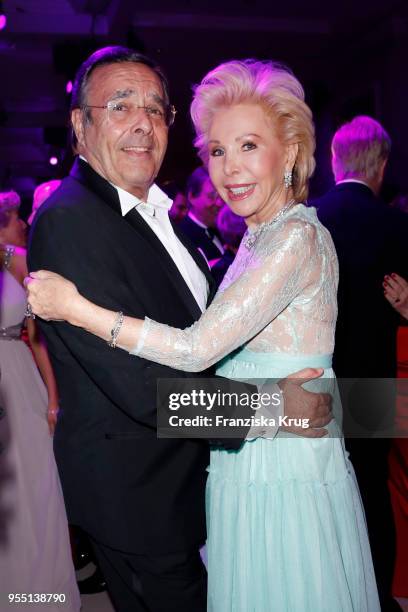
x=116, y=329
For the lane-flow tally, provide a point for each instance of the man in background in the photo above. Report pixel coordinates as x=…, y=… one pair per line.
x=231, y=228
x=370, y=239
x=204, y=206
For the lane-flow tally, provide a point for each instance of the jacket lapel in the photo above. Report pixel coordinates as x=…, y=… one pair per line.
x=172, y=271
x=199, y=259
x=82, y=172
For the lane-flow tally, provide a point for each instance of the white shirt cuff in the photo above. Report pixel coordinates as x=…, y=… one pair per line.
x=267, y=418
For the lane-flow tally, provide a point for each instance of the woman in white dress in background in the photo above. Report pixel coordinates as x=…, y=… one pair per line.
x=35, y=552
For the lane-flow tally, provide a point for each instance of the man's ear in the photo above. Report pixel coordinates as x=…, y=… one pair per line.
x=77, y=120
x=381, y=170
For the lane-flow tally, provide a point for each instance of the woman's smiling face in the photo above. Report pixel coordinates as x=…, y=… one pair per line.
x=247, y=162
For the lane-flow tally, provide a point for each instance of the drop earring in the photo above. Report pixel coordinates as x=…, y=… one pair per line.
x=287, y=179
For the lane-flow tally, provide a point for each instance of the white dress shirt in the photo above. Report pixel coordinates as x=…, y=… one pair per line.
x=156, y=214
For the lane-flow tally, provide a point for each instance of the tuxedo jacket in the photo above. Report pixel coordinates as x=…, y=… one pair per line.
x=371, y=240
x=199, y=236
x=125, y=487
x=219, y=269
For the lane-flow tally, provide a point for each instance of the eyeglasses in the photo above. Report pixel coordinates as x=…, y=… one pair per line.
x=120, y=112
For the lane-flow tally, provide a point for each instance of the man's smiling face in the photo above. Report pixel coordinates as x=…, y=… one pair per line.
x=128, y=153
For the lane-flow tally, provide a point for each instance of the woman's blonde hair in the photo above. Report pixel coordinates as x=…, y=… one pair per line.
x=280, y=94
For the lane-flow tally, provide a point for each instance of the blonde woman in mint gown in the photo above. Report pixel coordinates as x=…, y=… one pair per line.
x=286, y=527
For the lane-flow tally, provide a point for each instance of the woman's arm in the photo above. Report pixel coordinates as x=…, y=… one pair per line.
x=18, y=268
x=52, y=297
x=44, y=365
x=235, y=316
x=17, y=264
x=101, y=321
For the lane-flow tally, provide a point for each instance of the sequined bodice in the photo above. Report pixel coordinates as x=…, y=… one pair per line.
x=279, y=295
x=12, y=304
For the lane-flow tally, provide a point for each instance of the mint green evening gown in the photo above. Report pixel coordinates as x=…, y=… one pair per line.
x=286, y=526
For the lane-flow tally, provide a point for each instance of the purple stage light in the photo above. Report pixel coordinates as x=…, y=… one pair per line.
x=68, y=87
x=53, y=160
x=3, y=22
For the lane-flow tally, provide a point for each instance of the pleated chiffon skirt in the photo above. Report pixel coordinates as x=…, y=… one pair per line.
x=286, y=526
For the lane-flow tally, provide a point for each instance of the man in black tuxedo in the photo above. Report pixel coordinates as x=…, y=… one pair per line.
x=371, y=240
x=200, y=223
x=141, y=499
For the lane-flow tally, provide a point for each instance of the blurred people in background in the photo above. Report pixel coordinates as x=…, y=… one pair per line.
x=35, y=553
x=231, y=228
x=179, y=207
x=204, y=205
x=400, y=202
x=396, y=292
x=41, y=193
x=371, y=241
x=13, y=230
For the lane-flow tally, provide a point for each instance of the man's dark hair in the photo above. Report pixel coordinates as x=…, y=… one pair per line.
x=196, y=180
x=103, y=57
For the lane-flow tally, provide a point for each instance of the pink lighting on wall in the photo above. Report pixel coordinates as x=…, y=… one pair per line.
x=3, y=22
x=68, y=87
x=53, y=160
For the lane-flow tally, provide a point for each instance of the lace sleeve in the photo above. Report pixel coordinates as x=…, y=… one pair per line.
x=272, y=278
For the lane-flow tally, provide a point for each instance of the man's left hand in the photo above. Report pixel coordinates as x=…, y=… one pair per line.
x=302, y=404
